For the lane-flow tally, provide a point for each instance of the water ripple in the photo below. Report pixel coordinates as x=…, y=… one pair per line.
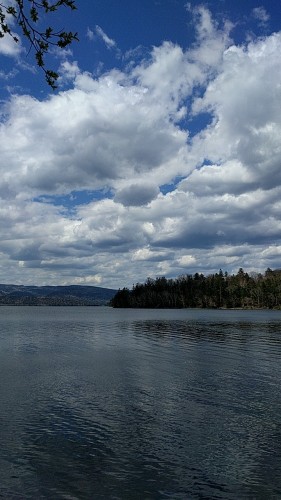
x=98, y=403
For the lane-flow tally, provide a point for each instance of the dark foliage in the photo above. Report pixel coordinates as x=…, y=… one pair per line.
x=214, y=291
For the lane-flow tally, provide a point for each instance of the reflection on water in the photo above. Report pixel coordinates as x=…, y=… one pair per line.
x=124, y=404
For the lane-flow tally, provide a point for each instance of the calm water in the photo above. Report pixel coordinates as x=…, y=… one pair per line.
x=97, y=403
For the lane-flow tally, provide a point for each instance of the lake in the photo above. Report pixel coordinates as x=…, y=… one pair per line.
x=101, y=403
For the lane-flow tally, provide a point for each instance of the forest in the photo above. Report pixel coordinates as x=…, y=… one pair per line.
x=219, y=290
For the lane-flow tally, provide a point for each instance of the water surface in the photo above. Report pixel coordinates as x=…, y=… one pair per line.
x=139, y=404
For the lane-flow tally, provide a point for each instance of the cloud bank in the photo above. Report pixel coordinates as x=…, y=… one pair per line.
x=181, y=201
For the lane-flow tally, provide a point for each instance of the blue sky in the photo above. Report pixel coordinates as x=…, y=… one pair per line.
x=158, y=154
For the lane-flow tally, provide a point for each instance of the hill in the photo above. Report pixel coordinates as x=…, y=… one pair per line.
x=72, y=295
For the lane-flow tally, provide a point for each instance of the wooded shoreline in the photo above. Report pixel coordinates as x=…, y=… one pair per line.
x=215, y=291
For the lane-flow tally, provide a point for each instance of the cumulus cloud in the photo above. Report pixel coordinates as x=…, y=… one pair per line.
x=127, y=132
x=98, y=133
x=119, y=129
x=244, y=99
x=69, y=70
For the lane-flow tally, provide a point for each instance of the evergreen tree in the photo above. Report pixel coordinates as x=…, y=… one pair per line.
x=217, y=290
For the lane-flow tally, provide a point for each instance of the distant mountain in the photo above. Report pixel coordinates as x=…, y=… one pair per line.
x=72, y=295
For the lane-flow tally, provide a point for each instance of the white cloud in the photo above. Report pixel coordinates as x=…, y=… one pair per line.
x=101, y=132
x=261, y=15
x=90, y=34
x=146, y=254
x=244, y=100
x=8, y=75
x=186, y=260
x=109, y=42
x=69, y=70
x=8, y=46
x=95, y=280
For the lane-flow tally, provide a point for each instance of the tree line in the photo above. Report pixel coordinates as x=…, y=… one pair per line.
x=219, y=290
